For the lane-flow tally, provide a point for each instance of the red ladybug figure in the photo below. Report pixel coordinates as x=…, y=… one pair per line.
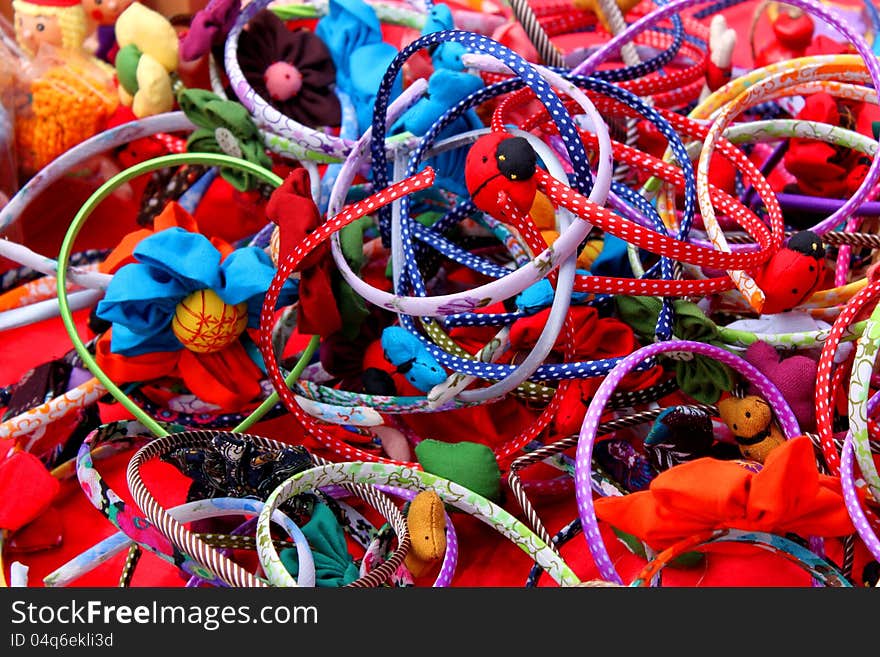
x=793, y=273
x=501, y=169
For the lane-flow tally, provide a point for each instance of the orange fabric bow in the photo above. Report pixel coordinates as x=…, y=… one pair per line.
x=787, y=495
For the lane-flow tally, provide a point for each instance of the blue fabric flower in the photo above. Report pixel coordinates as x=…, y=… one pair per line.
x=142, y=297
x=352, y=33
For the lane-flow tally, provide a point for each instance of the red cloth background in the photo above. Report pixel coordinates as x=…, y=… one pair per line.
x=486, y=559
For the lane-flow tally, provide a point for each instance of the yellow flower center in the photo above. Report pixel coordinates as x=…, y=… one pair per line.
x=204, y=323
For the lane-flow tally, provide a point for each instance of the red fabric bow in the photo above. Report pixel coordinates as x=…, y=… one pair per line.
x=292, y=209
x=787, y=495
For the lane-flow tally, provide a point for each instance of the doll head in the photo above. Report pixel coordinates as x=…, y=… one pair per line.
x=105, y=12
x=59, y=23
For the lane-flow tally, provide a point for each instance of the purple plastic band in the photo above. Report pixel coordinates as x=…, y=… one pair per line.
x=583, y=460
x=848, y=485
x=450, y=559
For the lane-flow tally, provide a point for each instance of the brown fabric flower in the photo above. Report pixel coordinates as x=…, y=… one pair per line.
x=292, y=70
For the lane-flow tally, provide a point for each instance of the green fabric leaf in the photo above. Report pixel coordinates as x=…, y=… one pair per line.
x=126, y=67
x=252, y=152
x=231, y=115
x=702, y=378
x=691, y=324
x=632, y=543
x=208, y=111
x=351, y=239
x=192, y=102
x=352, y=309
x=203, y=141
x=640, y=314
x=334, y=566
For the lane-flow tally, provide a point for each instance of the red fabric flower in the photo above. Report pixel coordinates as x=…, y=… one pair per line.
x=228, y=378
x=822, y=169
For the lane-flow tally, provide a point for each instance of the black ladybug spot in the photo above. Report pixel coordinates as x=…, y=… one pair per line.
x=734, y=427
x=794, y=290
x=516, y=158
x=748, y=414
x=485, y=159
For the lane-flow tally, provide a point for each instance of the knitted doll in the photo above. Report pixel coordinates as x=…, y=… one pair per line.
x=58, y=23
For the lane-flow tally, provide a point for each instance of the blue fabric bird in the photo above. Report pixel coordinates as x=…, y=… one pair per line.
x=404, y=350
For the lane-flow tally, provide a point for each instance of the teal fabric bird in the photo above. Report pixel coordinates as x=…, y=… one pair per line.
x=404, y=350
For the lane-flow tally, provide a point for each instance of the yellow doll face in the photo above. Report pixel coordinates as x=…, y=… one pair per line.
x=105, y=12
x=33, y=31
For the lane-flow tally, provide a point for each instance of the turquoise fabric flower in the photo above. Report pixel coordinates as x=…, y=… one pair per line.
x=353, y=35
x=142, y=297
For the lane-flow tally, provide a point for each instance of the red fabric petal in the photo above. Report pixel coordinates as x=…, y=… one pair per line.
x=26, y=490
x=228, y=378
x=124, y=369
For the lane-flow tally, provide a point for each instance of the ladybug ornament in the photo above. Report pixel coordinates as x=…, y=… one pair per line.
x=500, y=169
x=793, y=273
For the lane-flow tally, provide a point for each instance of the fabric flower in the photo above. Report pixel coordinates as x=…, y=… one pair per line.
x=787, y=495
x=147, y=57
x=291, y=69
x=701, y=377
x=224, y=126
x=209, y=28
x=824, y=169
x=353, y=35
x=334, y=566
x=178, y=308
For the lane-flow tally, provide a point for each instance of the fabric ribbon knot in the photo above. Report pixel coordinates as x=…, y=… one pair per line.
x=334, y=566
x=788, y=495
x=292, y=209
x=702, y=378
x=224, y=126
